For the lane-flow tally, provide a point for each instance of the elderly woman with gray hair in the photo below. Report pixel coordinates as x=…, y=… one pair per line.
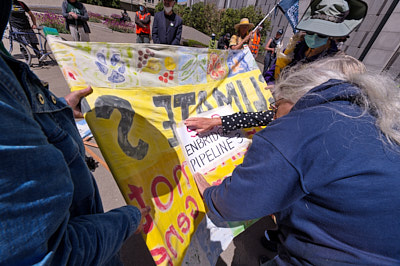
x=328, y=168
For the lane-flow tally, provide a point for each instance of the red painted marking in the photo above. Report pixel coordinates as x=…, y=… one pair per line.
x=172, y=232
x=183, y=169
x=161, y=251
x=71, y=75
x=195, y=212
x=175, y=173
x=160, y=179
x=182, y=220
x=137, y=195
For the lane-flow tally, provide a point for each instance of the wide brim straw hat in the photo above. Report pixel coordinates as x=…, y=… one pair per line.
x=334, y=18
x=244, y=22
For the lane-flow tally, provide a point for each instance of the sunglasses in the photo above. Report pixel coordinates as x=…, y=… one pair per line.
x=319, y=35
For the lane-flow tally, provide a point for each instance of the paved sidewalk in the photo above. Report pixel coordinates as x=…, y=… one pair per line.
x=244, y=250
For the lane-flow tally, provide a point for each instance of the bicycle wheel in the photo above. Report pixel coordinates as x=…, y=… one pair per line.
x=7, y=42
x=20, y=52
x=47, y=50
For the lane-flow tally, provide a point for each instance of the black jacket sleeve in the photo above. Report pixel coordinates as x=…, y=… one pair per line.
x=246, y=120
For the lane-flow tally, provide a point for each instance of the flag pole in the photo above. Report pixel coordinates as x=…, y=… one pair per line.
x=262, y=21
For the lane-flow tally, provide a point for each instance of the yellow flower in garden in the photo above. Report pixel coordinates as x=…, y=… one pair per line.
x=169, y=63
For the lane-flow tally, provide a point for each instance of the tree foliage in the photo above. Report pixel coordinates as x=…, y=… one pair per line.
x=108, y=3
x=230, y=17
x=159, y=7
x=208, y=19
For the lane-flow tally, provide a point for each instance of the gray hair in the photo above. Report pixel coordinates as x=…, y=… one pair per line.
x=380, y=94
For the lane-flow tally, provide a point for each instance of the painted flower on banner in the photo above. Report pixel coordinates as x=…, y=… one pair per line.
x=169, y=63
x=70, y=73
x=73, y=76
x=216, y=68
x=114, y=69
x=237, y=63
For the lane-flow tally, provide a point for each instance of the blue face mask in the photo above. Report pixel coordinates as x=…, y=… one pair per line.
x=314, y=41
x=141, y=8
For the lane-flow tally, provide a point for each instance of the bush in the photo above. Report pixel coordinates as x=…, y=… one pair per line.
x=95, y=17
x=51, y=20
x=120, y=26
x=116, y=16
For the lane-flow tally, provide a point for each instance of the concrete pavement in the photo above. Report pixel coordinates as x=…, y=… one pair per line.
x=244, y=250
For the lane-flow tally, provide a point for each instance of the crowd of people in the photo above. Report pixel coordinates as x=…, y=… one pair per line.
x=326, y=166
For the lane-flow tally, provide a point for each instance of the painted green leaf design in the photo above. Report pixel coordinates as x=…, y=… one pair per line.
x=187, y=64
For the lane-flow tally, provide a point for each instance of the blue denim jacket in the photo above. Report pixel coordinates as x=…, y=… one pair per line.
x=50, y=209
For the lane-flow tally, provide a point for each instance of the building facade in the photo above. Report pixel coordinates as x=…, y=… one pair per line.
x=133, y=5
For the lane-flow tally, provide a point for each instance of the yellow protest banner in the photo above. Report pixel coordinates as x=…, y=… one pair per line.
x=140, y=93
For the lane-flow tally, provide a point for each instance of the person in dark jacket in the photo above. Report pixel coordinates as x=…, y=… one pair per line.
x=270, y=54
x=328, y=168
x=167, y=26
x=223, y=42
x=125, y=16
x=76, y=18
x=50, y=207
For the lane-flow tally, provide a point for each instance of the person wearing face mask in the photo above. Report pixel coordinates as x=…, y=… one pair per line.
x=167, y=26
x=142, y=20
x=327, y=168
x=323, y=21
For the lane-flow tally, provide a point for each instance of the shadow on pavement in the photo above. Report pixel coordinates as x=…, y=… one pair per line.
x=247, y=248
x=247, y=245
x=134, y=252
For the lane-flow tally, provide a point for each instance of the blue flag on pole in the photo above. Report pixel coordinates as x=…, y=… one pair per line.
x=291, y=10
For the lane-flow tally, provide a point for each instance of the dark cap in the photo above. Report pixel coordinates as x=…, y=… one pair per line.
x=228, y=35
x=280, y=31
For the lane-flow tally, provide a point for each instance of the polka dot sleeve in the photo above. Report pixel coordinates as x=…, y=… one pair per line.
x=246, y=120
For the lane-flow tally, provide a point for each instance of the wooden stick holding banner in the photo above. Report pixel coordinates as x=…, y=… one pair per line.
x=262, y=21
